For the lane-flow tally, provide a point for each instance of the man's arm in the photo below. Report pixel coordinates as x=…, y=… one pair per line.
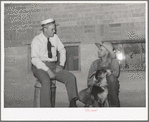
x=62, y=51
x=92, y=69
x=62, y=60
x=115, y=71
x=115, y=68
x=35, y=56
x=36, y=60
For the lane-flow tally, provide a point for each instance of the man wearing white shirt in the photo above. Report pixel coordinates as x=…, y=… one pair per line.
x=44, y=49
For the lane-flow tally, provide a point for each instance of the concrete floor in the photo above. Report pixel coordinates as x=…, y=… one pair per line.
x=20, y=92
x=132, y=94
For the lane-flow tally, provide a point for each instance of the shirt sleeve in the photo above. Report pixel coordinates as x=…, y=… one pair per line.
x=62, y=51
x=92, y=69
x=62, y=56
x=115, y=68
x=35, y=56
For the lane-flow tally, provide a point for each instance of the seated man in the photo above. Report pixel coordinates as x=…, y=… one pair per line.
x=44, y=49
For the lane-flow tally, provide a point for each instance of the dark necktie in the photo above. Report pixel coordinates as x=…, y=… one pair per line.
x=49, y=45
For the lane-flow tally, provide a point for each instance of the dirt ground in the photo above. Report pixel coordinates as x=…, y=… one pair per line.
x=21, y=93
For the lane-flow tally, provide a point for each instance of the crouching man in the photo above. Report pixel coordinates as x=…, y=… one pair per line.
x=107, y=61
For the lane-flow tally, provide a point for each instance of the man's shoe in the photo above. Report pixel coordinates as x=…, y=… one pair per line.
x=73, y=102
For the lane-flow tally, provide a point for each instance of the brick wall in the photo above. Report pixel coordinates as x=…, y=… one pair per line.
x=84, y=22
x=89, y=53
x=16, y=62
x=16, y=86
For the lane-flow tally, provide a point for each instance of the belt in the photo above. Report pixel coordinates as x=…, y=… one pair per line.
x=49, y=61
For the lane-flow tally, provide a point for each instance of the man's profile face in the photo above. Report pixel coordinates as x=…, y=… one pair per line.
x=50, y=30
x=102, y=51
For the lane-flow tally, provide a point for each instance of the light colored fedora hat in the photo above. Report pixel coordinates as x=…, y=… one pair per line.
x=48, y=21
x=108, y=46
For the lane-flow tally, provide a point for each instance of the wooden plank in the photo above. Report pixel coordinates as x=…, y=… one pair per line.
x=125, y=41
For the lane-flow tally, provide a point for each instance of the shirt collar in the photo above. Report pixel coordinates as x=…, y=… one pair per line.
x=109, y=60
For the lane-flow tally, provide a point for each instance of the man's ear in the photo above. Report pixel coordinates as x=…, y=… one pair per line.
x=44, y=29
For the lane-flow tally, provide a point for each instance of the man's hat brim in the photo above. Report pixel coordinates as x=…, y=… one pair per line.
x=112, y=54
x=48, y=21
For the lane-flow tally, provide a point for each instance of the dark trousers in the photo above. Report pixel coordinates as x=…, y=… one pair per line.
x=62, y=76
x=113, y=91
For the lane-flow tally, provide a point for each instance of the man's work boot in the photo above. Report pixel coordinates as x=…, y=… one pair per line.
x=73, y=102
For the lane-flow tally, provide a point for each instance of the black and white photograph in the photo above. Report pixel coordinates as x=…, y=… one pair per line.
x=74, y=60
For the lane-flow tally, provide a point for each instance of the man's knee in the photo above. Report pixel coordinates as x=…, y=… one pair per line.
x=45, y=82
x=111, y=79
x=71, y=76
x=42, y=76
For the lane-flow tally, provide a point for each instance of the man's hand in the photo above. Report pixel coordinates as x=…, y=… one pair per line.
x=88, y=90
x=51, y=74
x=96, y=81
x=90, y=84
x=108, y=72
x=59, y=68
x=111, y=78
